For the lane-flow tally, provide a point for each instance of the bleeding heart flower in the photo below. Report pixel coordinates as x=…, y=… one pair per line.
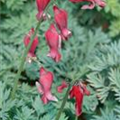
x=41, y=5
x=34, y=43
x=44, y=86
x=62, y=86
x=53, y=40
x=61, y=20
x=78, y=92
x=92, y=3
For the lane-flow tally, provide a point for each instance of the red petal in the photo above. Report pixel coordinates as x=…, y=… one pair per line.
x=54, y=54
x=60, y=17
x=100, y=3
x=44, y=99
x=62, y=86
x=45, y=81
x=61, y=20
x=42, y=71
x=41, y=5
x=53, y=41
x=92, y=3
x=34, y=43
x=78, y=94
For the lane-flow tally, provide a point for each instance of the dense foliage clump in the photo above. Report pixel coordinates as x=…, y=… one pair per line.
x=91, y=55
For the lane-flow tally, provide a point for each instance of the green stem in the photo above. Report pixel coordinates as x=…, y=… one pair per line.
x=76, y=118
x=63, y=104
x=23, y=61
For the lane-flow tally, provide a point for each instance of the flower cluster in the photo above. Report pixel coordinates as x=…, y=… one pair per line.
x=53, y=41
x=92, y=3
x=41, y=5
x=53, y=37
x=44, y=85
x=78, y=91
x=56, y=33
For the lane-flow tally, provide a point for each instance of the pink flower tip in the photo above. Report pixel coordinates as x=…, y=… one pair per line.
x=66, y=34
x=42, y=71
x=62, y=86
x=92, y=4
x=102, y=4
x=55, y=8
x=54, y=54
x=40, y=90
x=41, y=5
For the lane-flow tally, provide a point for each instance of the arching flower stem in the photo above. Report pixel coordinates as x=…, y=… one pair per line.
x=23, y=59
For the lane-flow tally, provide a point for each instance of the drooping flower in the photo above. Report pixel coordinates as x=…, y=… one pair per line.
x=41, y=5
x=62, y=86
x=44, y=86
x=53, y=40
x=61, y=19
x=78, y=92
x=35, y=43
x=92, y=4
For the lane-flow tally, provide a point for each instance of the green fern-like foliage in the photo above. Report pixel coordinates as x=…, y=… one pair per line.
x=117, y=110
x=15, y=5
x=114, y=77
x=114, y=29
x=90, y=55
x=105, y=76
x=105, y=115
x=113, y=6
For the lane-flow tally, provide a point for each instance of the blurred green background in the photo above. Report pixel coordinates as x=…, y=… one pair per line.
x=91, y=55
